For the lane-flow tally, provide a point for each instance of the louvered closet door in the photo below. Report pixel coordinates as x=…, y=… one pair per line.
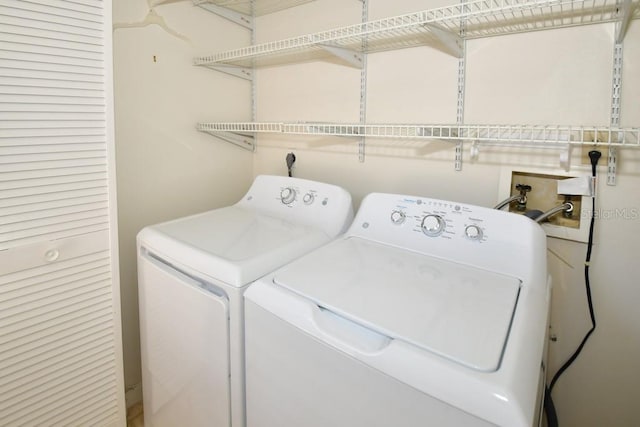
x=60, y=343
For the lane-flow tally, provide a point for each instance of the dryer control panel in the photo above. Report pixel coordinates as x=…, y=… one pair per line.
x=476, y=235
x=301, y=201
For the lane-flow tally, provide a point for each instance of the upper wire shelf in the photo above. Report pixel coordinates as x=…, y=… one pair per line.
x=512, y=134
x=261, y=7
x=440, y=26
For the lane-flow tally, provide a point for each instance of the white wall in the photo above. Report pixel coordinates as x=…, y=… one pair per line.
x=165, y=168
x=561, y=76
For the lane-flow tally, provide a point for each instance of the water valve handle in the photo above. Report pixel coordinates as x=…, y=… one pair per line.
x=523, y=189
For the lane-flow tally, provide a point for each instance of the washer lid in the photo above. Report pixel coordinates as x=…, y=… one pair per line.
x=459, y=312
x=231, y=244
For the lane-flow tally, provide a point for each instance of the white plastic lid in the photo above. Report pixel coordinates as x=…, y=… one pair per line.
x=456, y=311
x=232, y=244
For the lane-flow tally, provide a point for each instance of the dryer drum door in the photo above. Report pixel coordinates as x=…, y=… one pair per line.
x=184, y=330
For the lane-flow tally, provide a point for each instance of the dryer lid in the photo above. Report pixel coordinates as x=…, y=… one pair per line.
x=456, y=311
x=231, y=244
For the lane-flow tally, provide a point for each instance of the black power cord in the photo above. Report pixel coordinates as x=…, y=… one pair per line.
x=290, y=159
x=594, y=156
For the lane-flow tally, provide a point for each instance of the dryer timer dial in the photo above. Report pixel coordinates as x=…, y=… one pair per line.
x=288, y=195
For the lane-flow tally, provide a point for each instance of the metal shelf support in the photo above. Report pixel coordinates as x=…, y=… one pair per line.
x=245, y=73
x=462, y=44
x=626, y=10
x=351, y=57
x=363, y=84
x=246, y=141
x=232, y=15
x=612, y=159
x=452, y=42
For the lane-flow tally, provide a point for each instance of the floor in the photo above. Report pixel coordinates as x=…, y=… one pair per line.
x=135, y=416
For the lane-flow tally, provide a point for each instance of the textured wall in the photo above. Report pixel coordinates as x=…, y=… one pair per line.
x=560, y=76
x=165, y=168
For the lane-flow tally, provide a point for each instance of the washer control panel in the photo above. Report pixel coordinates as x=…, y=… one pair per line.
x=477, y=236
x=439, y=219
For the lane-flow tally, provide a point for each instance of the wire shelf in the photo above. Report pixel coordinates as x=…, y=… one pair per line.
x=261, y=7
x=511, y=134
x=482, y=18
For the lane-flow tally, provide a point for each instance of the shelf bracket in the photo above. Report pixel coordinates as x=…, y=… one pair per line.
x=233, y=16
x=565, y=158
x=626, y=9
x=246, y=141
x=241, y=72
x=461, y=44
x=363, y=83
x=615, y=110
x=452, y=42
x=351, y=57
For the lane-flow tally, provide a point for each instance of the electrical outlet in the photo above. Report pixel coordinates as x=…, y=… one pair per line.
x=544, y=197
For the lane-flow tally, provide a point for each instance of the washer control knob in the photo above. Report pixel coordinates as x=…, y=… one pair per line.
x=432, y=225
x=308, y=198
x=473, y=232
x=288, y=195
x=397, y=217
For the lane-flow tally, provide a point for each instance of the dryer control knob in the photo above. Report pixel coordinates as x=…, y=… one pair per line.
x=288, y=195
x=397, y=217
x=308, y=198
x=433, y=225
x=473, y=232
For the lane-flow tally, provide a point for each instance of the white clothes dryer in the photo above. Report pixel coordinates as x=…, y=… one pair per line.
x=191, y=276
x=425, y=313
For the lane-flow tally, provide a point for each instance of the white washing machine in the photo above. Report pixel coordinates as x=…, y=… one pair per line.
x=425, y=313
x=191, y=276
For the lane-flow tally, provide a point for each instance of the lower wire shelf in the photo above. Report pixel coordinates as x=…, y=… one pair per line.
x=514, y=135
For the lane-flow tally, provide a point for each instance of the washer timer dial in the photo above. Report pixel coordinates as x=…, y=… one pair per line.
x=433, y=225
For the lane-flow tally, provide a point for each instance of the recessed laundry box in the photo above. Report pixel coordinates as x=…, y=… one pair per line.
x=425, y=313
x=192, y=273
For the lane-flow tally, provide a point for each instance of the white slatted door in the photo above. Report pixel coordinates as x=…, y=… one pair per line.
x=60, y=343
